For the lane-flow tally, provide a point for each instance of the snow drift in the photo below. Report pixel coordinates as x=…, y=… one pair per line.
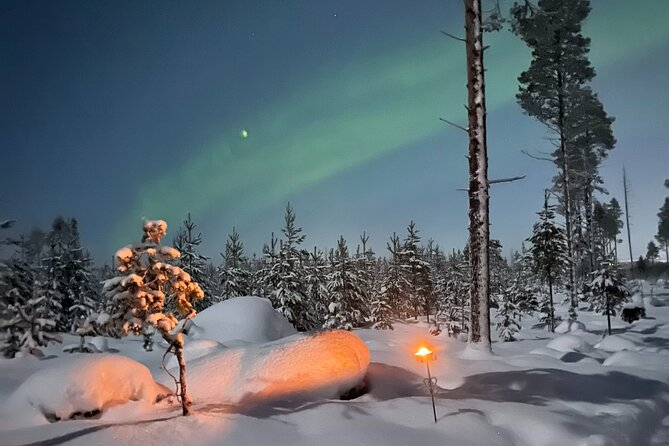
x=80, y=385
x=248, y=319
x=302, y=367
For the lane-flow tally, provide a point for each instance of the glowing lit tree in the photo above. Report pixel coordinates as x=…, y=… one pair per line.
x=149, y=284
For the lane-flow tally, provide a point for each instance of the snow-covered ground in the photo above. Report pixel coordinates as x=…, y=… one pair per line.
x=574, y=388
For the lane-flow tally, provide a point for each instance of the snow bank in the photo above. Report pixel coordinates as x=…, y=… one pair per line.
x=569, y=343
x=249, y=319
x=567, y=327
x=79, y=385
x=196, y=348
x=299, y=368
x=616, y=343
x=649, y=361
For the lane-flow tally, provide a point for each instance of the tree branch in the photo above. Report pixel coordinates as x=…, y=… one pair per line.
x=536, y=157
x=453, y=37
x=506, y=180
x=464, y=129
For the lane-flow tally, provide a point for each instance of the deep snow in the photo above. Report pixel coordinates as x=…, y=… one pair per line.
x=575, y=388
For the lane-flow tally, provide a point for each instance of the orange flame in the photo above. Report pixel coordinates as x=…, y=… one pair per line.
x=423, y=351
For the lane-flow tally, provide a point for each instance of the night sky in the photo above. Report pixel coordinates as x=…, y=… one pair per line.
x=116, y=111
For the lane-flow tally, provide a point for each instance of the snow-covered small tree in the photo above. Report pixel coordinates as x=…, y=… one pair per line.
x=394, y=280
x=347, y=301
x=417, y=273
x=288, y=293
x=316, y=290
x=234, y=276
x=26, y=319
x=609, y=290
x=188, y=242
x=549, y=253
x=149, y=284
x=508, y=314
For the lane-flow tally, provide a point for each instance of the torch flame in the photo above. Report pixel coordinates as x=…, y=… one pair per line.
x=423, y=351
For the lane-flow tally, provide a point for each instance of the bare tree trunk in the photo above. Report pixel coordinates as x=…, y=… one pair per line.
x=479, y=291
x=550, y=294
x=627, y=220
x=185, y=399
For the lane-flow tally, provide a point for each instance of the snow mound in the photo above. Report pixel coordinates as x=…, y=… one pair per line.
x=249, y=319
x=302, y=367
x=196, y=348
x=616, y=343
x=641, y=360
x=77, y=386
x=567, y=327
x=569, y=343
x=636, y=301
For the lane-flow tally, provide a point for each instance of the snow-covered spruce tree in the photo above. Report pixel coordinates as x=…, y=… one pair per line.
x=266, y=276
x=316, y=289
x=347, y=302
x=234, y=276
x=187, y=242
x=526, y=282
x=26, y=319
x=394, y=283
x=149, y=284
x=508, y=314
x=609, y=290
x=549, y=253
x=457, y=289
x=380, y=309
x=417, y=273
x=288, y=295
x=84, y=294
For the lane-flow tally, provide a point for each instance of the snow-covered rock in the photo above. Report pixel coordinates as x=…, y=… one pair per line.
x=567, y=327
x=569, y=343
x=248, y=319
x=78, y=385
x=616, y=343
x=301, y=367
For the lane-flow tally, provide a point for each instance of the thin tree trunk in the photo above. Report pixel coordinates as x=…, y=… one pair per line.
x=479, y=290
x=185, y=399
x=567, y=198
x=550, y=294
x=627, y=220
x=608, y=312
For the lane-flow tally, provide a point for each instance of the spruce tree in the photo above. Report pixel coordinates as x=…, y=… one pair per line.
x=609, y=290
x=27, y=320
x=549, y=253
x=346, y=309
x=417, y=273
x=288, y=293
x=188, y=242
x=508, y=313
x=234, y=276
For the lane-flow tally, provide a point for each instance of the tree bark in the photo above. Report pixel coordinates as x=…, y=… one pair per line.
x=550, y=294
x=479, y=291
